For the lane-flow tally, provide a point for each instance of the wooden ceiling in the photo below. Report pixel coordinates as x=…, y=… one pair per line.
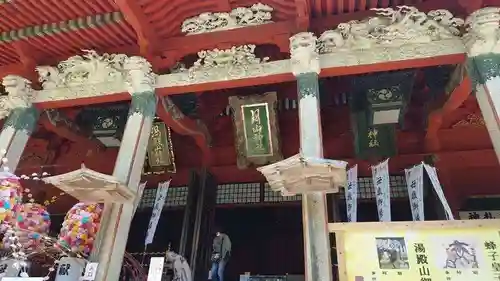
x=34, y=32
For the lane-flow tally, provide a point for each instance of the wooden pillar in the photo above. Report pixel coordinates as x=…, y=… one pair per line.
x=116, y=218
x=483, y=66
x=188, y=222
x=202, y=236
x=21, y=121
x=305, y=66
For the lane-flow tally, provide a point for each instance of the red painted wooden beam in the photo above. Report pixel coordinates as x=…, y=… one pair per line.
x=473, y=5
x=457, y=98
x=147, y=40
x=272, y=33
x=183, y=125
x=303, y=15
x=66, y=129
x=224, y=5
x=397, y=164
x=27, y=60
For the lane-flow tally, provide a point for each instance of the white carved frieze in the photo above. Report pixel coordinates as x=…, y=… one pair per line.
x=398, y=34
x=239, y=17
x=391, y=28
x=92, y=75
x=88, y=68
x=227, y=64
x=19, y=94
x=483, y=32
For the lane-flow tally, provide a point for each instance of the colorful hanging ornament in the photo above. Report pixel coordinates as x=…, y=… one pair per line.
x=32, y=221
x=80, y=227
x=10, y=196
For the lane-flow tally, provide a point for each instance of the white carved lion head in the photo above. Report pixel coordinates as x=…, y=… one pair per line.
x=140, y=77
x=303, y=42
x=19, y=91
x=484, y=21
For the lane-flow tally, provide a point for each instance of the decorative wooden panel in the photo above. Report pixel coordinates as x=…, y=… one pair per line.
x=256, y=129
x=160, y=155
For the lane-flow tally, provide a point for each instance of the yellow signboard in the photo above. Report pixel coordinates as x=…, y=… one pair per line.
x=465, y=252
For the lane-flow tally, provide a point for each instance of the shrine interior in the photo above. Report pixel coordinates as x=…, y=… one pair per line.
x=263, y=225
x=408, y=110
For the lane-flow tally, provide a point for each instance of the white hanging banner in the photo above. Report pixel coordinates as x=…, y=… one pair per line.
x=381, y=183
x=431, y=171
x=161, y=196
x=155, y=272
x=351, y=194
x=70, y=269
x=415, y=184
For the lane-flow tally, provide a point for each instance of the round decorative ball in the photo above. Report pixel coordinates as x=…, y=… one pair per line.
x=11, y=193
x=80, y=227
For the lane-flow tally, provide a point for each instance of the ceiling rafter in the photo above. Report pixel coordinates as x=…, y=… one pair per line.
x=147, y=40
x=183, y=125
x=57, y=122
x=457, y=97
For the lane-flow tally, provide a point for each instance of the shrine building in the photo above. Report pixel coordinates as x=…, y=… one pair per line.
x=104, y=95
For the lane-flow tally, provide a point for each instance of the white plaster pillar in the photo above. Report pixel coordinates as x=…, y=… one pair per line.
x=305, y=66
x=116, y=218
x=22, y=118
x=483, y=65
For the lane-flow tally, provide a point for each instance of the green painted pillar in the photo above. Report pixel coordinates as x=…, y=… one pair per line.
x=21, y=121
x=116, y=218
x=483, y=66
x=305, y=66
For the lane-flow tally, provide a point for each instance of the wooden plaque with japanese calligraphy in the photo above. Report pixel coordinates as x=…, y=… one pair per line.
x=256, y=129
x=421, y=251
x=378, y=141
x=160, y=154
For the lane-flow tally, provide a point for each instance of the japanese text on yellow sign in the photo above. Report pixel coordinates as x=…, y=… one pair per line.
x=467, y=254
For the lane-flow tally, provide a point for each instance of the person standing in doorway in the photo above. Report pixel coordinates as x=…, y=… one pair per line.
x=221, y=250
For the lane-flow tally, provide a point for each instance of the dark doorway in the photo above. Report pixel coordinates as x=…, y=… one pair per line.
x=266, y=240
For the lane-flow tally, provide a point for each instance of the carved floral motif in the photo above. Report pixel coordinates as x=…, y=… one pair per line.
x=392, y=27
x=239, y=17
x=92, y=75
x=19, y=94
x=483, y=32
x=233, y=62
x=77, y=70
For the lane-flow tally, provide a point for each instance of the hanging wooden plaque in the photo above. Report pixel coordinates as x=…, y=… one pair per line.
x=160, y=154
x=256, y=129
